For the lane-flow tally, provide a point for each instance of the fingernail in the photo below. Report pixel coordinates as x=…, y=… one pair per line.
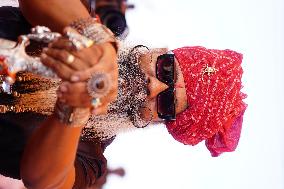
x=43, y=55
x=75, y=78
x=63, y=88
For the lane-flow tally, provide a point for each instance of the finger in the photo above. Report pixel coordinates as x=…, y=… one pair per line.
x=103, y=107
x=107, y=63
x=63, y=71
x=84, y=75
x=110, y=54
x=71, y=102
x=79, y=76
x=91, y=55
x=74, y=94
x=78, y=92
x=104, y=100
x=75, y=100
x=112, y=95
x=102, y=110
x=62, y=43
x=90, y=52
x=67, y=58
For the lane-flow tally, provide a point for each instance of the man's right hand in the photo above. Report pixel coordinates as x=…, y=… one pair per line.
x=101, y=58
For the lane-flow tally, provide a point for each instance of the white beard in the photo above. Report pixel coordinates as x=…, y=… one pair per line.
x=106, y=127
x=131, y=95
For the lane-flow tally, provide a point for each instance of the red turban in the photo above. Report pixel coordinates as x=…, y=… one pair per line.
x=215, y=101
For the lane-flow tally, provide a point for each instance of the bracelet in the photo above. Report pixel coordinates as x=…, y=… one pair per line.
x=92, y=29
x=73, y=117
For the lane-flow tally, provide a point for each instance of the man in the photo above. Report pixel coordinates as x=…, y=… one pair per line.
x=199, y=80
x=202, y=86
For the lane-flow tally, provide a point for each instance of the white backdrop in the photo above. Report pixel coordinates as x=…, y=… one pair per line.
x=254, y=27
x=13, y=3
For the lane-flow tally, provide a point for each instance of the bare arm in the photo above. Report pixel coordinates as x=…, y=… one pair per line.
x=48, y=160
x=55, y=14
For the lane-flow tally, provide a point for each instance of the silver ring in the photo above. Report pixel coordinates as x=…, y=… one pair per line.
x=96, y=102
x=78, y=41
x=98, y=85
x=70, y=59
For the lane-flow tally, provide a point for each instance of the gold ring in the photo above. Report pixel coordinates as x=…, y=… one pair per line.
x=88, y=43
x=70, y=59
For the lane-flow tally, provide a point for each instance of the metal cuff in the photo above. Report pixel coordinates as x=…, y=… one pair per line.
x=92, y=29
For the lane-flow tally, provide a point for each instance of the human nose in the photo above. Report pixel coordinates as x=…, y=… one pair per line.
x=155, y=86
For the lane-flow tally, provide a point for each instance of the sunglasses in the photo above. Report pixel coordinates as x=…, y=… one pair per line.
x=165, y=69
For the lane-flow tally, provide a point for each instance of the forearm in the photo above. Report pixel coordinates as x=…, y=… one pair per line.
x=48, y=159
x=55, y=14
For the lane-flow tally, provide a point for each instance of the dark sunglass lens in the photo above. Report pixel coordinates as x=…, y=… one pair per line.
x=166, y=104
x=165, y=68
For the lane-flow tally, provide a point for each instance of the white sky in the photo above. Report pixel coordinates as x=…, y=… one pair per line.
x=253, y=27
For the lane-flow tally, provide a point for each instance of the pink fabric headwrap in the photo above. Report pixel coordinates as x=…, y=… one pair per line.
x=215, y=101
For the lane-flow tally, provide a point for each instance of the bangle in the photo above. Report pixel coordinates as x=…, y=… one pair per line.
x=92, y=29
x=71, y=116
